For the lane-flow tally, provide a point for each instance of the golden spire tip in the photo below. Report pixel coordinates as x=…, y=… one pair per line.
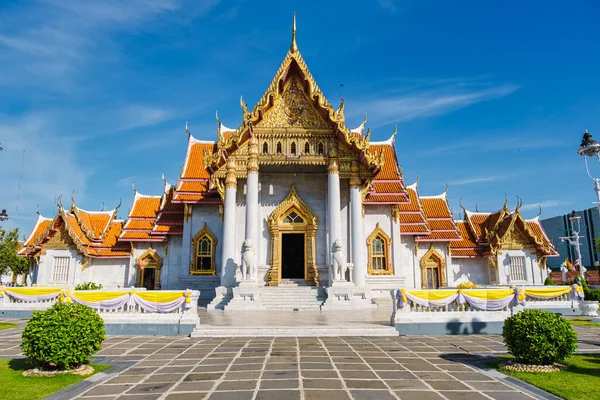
x=293, y=46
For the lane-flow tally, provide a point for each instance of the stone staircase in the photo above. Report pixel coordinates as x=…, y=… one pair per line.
x=294, y=331
x=292, y=295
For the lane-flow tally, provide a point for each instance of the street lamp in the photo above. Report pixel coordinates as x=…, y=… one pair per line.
x=3, y=215
x=573, y=240
x=590, y=148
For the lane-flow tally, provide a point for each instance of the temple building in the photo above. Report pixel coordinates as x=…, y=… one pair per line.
x=295, y=200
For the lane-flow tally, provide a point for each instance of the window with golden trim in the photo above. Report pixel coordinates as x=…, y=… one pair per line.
x=293, y=148
x=321, y=150
x=378, y=244
x=279, y=151
x=204, y=246
x=265, y=148
x=306, y=148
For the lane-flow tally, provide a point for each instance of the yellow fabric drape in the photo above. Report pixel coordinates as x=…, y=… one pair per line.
x=485, y=294
x=434, y=294
x=159, y=297
x=32, y=291
x=93, y=297
x=548, y=291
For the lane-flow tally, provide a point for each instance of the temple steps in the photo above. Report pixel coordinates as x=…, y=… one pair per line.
x=294, y=331
x=291, y=297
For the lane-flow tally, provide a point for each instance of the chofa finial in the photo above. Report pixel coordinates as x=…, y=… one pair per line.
x=187, y=130
x=395, y=131
x=133, y=188
x=293, y=46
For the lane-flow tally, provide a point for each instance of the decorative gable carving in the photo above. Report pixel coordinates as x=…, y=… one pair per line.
x=514, y=239
x=293, y=109
x=61, y=240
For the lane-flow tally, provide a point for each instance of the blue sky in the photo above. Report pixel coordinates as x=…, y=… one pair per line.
x=490, y=99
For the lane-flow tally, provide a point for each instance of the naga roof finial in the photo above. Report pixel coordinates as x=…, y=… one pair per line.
x=187, y=130
x=293, y=46
x=446, y=191
x=118, y=205
x=133, y=188
x=539, y=213
x=163, y=177
x=102, y=208
x=365, y=118
x=73, y=199
x=244, y=108
x=395, y=131
x=37, y=209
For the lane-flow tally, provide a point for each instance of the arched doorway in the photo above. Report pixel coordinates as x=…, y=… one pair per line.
x=148, y=267
x=293, y=227
x=433, y=270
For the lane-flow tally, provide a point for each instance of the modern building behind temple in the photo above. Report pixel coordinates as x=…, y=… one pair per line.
x=289, y=183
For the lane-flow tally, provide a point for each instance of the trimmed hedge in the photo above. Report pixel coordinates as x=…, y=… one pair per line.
x=88, y=286
x=63, y=337
x=539, y=337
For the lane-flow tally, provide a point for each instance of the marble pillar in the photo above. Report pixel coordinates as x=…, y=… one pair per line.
x=359, y=258
x=228, y=266
x=334, y=217
x=252, y=210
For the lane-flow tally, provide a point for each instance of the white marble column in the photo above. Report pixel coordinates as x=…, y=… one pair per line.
x=359, y=259
x=334, y=206
x=252, y=211
x=229, y=251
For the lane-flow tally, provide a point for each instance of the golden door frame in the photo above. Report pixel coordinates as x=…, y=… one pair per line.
x=148, y=259
x=278, y=227
x=432, y=254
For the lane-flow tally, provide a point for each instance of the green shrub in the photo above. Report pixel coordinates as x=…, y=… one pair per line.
x=539, y=337
x=63, y=337
x=548, y=282
x=88, y=286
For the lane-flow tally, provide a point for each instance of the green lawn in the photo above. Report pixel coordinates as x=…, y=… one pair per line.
x=580, y=381
x=7, y=325
x=18, y=387
x=584, y=322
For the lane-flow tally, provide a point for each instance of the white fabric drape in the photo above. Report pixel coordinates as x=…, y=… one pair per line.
x=32, y=299
x=104, y=304
x=150, y=306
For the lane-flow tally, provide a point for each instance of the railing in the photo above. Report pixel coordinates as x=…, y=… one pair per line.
x=497, y=300
x=123, y=305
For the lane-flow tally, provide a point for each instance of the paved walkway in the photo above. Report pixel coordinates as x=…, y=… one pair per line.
x=416, y=367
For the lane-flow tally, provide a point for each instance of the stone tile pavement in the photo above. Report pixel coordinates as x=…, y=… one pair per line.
x=415, y=367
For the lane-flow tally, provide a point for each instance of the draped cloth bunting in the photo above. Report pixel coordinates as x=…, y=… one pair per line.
x=30, y=294
x=149, y=301
x=482, y=299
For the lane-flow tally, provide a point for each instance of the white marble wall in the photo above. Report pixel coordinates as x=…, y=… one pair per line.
x=461, y=270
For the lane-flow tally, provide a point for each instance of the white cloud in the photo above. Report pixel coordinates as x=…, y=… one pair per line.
x=544, y=204
x=54, y=38
x=469, y=181
x=425, y=98
x=50, y=167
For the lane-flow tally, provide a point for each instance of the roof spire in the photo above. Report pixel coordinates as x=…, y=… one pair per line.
x=187, y=130
x=133, y=187
x=293, y=46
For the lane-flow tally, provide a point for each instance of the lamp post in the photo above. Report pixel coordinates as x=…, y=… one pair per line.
x=3, y=216
x=573, y=240
x=590, y=148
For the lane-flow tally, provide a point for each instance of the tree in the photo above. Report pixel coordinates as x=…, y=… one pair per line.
x=9, y=246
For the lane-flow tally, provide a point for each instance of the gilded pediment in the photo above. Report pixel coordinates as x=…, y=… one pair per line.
x=59, y=241
x=514, y=239
x=293, y=109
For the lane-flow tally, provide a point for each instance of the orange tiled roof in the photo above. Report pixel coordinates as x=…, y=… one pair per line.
x=412, y=219
x=388, y=185
x=467, y=246
x=141, y=219
x=193, y=185
x=41, y=225
x=93, y=224
x=439, y=218
x=170, y=215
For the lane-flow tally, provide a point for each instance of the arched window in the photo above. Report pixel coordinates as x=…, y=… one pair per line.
x=433, y=267
x=278, y=147
x=293, y=148
x=293, y=218
x=378, y=244
x=321, y=150
x=265, y=148
x=204, y=245
x=306, y=148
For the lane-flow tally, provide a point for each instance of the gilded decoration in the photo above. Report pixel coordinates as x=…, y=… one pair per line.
x=433, y=260
x=293, y=109
x=208, y=251
x=378, y=245
x=514, y=240
x=61, y=240
x=308, y=226
x=149, y=259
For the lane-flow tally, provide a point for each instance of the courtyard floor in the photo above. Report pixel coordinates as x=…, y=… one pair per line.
x=331, y=368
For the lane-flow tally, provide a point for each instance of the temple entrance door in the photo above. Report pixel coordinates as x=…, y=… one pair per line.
x=292, y=255
x=149, y=278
